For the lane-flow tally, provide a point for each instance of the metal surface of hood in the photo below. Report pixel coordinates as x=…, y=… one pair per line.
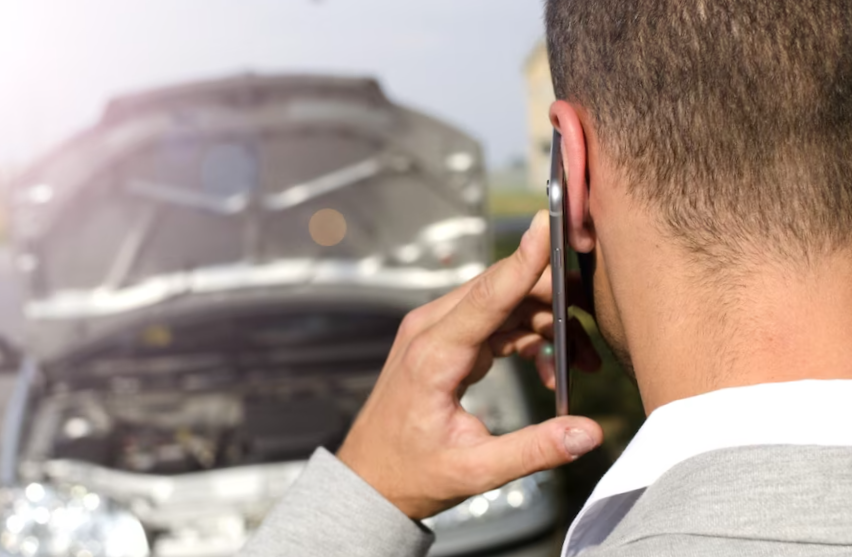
x=213, y=192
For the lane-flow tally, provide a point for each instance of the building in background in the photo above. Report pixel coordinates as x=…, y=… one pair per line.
x=539, y=98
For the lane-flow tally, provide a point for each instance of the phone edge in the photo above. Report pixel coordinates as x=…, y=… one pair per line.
x=558, y=257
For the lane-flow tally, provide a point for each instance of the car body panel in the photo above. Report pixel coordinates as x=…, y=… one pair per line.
x=191, y=342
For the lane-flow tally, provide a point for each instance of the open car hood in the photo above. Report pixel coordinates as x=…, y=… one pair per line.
x=204, y=194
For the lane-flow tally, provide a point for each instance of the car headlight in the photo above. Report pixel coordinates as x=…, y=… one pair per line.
x=42, y=521
x=512, y=497
x=498, y=400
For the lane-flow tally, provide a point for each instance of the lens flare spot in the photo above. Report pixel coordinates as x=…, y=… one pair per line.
x=516, y=498
x=327, y=227
x=479, y=506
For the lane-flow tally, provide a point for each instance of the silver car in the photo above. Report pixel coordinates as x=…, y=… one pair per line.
x=215, y=274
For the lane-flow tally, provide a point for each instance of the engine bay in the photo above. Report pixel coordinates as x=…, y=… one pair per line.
x=167, y=433
x=204, y=392
x=198, y=436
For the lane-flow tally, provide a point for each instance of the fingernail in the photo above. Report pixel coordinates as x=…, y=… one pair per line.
x=578, y=442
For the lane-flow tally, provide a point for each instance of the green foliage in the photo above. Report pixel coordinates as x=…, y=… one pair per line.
x=516, y=202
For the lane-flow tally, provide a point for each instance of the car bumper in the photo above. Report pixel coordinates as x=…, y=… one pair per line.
x=526, y=534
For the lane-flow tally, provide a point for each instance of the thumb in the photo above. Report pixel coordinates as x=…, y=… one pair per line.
x=537, y=447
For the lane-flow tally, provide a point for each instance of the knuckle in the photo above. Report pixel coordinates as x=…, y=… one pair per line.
x=420, y=348
x=412, y=323
x=429, y=362
x=481, y=295
x=422, y=344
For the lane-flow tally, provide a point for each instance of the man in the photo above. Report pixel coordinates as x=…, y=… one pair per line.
x=708, y=148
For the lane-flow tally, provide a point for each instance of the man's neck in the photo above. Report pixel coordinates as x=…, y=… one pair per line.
x=773, y=326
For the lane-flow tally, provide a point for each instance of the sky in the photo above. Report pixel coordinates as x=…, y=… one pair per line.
x=459, y=60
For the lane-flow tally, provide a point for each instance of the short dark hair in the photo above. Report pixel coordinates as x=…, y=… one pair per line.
x=732, y=117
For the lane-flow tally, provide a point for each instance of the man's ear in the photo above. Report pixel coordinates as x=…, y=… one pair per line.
x=564, y=117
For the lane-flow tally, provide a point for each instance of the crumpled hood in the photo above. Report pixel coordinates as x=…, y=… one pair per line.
x=209, y=190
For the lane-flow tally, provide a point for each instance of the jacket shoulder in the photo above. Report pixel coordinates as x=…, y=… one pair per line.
x=677, y=545
x=743, y=501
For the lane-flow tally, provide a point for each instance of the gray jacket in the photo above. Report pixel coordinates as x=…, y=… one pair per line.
x=752, y=501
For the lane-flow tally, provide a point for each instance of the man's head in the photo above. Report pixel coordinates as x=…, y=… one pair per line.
x=719, y=131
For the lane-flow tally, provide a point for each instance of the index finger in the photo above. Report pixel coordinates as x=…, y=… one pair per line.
x=493, y=296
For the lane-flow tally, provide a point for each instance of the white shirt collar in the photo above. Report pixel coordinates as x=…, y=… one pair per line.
x=797, y=413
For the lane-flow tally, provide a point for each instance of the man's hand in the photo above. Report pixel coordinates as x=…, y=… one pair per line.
x=413, y=441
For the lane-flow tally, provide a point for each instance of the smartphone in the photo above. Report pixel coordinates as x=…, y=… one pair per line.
x=560, y=251
x=558, y=205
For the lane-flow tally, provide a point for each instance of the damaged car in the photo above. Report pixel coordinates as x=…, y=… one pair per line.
x=214, y=275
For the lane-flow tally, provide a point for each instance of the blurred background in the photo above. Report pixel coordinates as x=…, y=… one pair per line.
x=214, y=215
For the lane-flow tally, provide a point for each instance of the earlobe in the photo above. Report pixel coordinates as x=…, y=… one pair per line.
x=564, y=117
